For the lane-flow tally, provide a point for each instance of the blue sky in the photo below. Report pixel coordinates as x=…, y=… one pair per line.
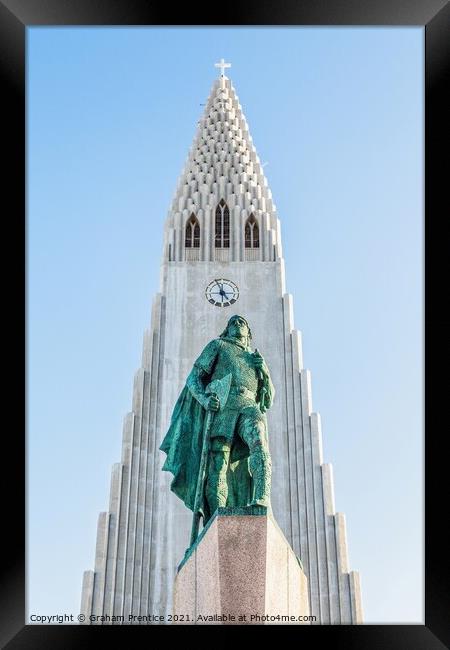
x=337, y=116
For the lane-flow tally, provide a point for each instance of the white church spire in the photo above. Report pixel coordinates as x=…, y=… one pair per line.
x=223, y=165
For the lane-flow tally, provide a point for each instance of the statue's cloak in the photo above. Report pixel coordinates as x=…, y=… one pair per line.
x=183, y=446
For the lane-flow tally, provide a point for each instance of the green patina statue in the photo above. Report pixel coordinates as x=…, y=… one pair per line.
x=217, y=446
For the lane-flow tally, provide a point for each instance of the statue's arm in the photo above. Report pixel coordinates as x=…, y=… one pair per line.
x=195, y=384
x=270, y=390
x=199, y=376
x=267, y=390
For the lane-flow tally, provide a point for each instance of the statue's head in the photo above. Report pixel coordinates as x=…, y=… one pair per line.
x=238, y=328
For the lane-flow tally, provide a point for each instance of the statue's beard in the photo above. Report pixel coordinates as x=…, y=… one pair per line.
x=243, y=339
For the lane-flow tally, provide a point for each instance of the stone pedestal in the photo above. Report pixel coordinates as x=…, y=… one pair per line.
x=241, y=571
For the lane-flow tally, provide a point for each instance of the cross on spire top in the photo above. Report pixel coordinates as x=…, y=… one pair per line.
x=222, y=65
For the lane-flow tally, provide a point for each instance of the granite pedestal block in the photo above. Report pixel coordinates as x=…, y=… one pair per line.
x=241, y=571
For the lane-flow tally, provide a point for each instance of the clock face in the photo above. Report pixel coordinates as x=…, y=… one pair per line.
x=221, y=292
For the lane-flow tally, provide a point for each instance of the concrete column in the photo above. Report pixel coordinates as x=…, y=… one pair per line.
x=355, y=597
x=122, y=545
x=342, y=566
x=330, y=540
x=111, y=563
x=288, y=411
x=137, y=440
x=152, y=460
x=141, y=494
x=100, y=563
x=86, y=595
x=316, y=447
x=305, y=385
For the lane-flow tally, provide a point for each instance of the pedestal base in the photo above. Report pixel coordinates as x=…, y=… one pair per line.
x=241, y=571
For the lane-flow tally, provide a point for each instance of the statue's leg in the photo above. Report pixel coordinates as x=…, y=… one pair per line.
x=216, y=482
x=254, y=433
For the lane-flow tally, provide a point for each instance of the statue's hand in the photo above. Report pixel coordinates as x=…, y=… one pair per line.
x=212, y=403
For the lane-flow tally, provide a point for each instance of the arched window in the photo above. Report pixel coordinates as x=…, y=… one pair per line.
x=222, y=239
x=251, y=232
x=192, y=239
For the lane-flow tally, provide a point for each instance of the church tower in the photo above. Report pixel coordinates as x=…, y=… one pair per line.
x=222, y=228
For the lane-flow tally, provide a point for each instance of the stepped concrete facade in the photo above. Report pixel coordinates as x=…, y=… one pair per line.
x=222, y=224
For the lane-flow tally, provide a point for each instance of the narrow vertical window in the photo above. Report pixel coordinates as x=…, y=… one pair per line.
x=192, y=239
x=222, y=238
x=251, y=232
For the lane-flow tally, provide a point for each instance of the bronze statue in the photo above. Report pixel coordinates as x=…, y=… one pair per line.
x=230, y=428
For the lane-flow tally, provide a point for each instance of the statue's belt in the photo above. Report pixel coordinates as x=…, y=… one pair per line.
x=241, y=390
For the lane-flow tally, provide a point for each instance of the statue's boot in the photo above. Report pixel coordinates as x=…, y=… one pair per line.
x=216, y=483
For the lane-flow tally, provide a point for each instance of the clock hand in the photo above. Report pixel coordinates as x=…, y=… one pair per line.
x=220, y=287
x=222, y=292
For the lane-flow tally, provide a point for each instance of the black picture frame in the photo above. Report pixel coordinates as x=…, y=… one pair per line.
x=434, y=15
